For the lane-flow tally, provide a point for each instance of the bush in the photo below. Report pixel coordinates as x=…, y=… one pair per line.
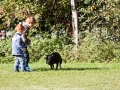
x=5, y=48
x=94, y=49
x=90, y=49
x=41, y=47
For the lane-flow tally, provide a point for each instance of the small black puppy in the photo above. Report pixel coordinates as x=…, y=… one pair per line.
x=54, y=58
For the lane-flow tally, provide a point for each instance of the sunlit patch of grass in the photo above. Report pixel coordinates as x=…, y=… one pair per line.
x=72, y=76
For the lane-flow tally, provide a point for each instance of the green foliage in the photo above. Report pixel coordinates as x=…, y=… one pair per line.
x=98, y=19
x=99, y=16
x=91, y=49
x=41, y=47
x=13, y=11
x=5, y=47
x=106, y=52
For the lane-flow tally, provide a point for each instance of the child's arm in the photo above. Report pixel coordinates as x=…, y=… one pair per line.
x=25, y=39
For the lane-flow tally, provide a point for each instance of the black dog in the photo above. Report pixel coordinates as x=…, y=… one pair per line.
x=54, y=58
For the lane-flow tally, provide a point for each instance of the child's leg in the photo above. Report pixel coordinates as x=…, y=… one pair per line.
x=27, y=60
x=22, y=63
x=16, y=65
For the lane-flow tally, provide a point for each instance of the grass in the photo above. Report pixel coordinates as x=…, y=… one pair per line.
x=72, y=76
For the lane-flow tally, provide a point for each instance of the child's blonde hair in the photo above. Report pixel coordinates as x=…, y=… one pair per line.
x=19, y=28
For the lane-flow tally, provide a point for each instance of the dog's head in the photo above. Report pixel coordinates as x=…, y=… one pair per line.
x=50, y=59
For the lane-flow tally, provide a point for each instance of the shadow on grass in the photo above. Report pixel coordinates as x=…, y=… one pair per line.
x=68, y=69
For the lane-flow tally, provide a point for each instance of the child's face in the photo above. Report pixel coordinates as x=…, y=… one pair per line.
x=30, y=22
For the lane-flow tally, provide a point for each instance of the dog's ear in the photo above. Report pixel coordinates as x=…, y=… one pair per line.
x=52, y=55
x=53, y=52
x=46, y=57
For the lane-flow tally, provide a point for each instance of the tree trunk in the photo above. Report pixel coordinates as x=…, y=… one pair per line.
x=74, y=22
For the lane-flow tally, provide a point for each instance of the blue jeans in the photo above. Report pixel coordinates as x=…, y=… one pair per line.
x=26, y=55
x=27, y=59
x=19, y=61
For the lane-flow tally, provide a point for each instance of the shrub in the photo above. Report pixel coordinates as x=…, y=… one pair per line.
x=90, y=49
x=5, y=47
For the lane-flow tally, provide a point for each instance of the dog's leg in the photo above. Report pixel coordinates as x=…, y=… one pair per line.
x=51, y=66
x=60, y=65
x=56, y=65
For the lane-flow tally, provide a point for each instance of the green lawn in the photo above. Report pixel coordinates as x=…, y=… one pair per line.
x=72, y=76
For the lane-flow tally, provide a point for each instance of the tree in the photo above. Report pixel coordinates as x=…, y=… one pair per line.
x=74, y=22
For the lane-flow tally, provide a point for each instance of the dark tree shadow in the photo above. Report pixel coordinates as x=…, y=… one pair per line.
x=68, y=69
x=81, y=69
x=41, y=69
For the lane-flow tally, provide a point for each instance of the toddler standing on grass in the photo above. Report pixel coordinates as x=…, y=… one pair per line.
x=28, y=23
x=18, y=48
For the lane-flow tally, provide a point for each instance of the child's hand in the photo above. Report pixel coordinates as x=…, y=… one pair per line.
x=24, y=49
x=28, y=41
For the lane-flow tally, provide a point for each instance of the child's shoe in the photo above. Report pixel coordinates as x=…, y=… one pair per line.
x=28, y=69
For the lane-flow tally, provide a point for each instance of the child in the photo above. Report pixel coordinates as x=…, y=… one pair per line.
x=28, y=23
x=18, y=48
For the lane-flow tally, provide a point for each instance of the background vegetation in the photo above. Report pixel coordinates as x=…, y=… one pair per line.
x=99, y=33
